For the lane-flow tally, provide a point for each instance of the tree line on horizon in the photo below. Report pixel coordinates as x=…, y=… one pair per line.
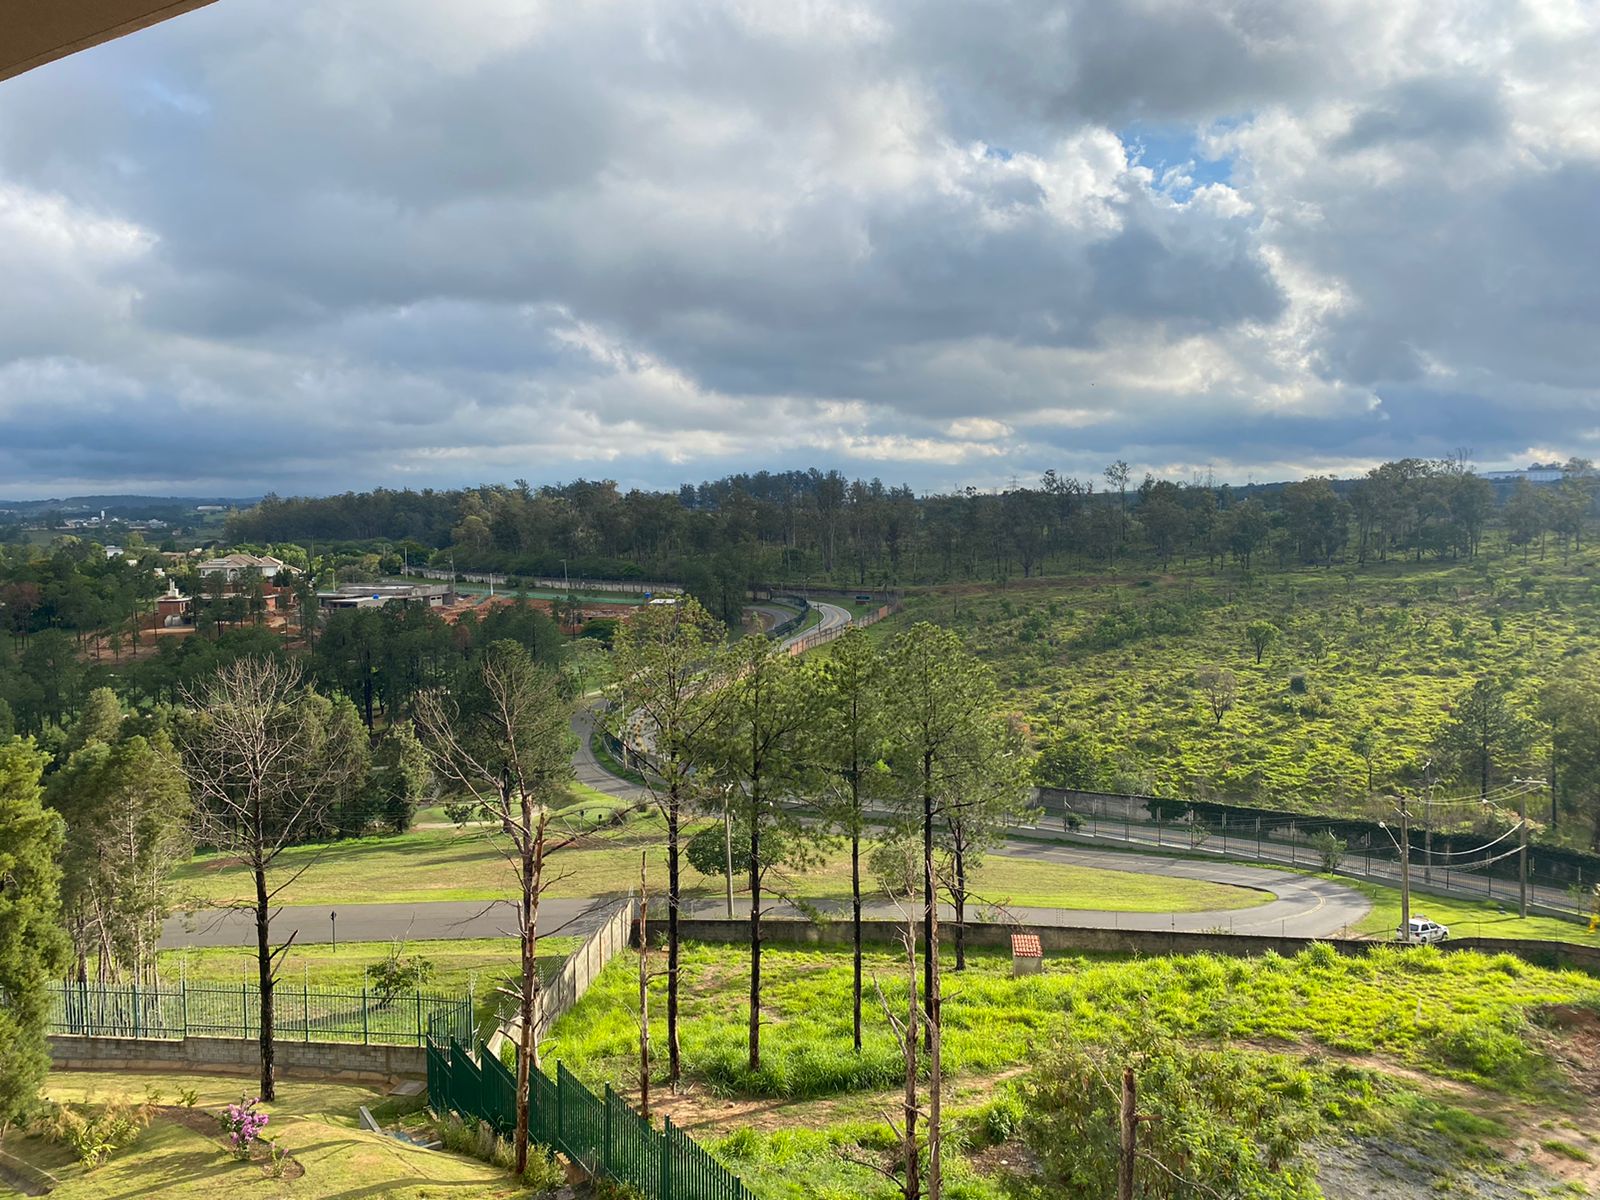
x=820, y=526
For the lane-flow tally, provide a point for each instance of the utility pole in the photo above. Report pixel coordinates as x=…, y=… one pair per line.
x=1522, y=852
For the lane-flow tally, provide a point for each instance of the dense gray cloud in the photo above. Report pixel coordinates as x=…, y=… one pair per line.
x=310, y=247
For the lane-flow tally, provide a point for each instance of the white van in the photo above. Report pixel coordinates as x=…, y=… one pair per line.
x=1421, y=930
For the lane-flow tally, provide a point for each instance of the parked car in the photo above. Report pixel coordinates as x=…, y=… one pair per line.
x=1422, y=931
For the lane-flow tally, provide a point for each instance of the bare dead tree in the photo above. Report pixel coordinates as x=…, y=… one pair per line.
x=507, y=742
x=256, y=752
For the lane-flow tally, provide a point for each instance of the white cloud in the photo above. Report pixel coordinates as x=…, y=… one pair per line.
x=395, y=242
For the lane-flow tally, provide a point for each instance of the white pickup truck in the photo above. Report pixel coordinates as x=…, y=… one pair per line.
x=1421, y=930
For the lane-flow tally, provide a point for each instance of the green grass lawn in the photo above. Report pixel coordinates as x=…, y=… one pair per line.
x=450, y=864
x=480, y=963
x=1455, y=1015
x=315, y=1122
x=1466, y=918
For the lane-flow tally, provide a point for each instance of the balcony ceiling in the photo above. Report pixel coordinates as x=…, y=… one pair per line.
x=35, y=32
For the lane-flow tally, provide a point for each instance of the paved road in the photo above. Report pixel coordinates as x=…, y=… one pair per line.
x=833, y=617
x=1303, y=906
x=587, y=769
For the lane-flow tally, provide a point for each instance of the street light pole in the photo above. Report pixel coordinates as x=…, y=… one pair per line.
x=333, y=924
x=1427, y=823
x=1405, y=868
x=1522, y=853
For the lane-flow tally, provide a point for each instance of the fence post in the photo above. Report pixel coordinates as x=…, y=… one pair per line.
x=305, y=1012
x=419, y=1016
x=363, y=1012
x=561, y=1077
x=665, y=1190
x=244, y=1012
x=605, y=1157
x=183, y=1004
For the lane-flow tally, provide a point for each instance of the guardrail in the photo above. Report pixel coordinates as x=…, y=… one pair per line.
x=784, y=628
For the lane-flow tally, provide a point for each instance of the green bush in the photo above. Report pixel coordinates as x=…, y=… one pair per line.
x=92, y=1132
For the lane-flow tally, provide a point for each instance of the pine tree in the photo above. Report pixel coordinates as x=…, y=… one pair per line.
x=32, y=947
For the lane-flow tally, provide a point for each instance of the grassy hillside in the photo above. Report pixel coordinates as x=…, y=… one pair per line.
x=1462, y=1068
x=1381, y=651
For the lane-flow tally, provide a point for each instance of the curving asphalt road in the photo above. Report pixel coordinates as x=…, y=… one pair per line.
x=1302, y=905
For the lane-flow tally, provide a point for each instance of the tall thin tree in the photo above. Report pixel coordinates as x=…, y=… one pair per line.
x=508, y=742
x=264, y=774
x=663, y=701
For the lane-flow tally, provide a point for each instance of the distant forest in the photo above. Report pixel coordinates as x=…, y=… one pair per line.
x=819, y=526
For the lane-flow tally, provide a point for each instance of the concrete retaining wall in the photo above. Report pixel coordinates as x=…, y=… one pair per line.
x=581, y=968
x=1086, y=940
x=312, y=1059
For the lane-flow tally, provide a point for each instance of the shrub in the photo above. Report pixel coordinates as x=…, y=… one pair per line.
x=1297, y=683
x=1330, y=848
x=399, y=973
x=92, y=1134
x=243, y=1123
x=708, y=849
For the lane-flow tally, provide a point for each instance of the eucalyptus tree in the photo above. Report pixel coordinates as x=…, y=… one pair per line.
x=126, y=805
x=507, y=740
x=664, y=698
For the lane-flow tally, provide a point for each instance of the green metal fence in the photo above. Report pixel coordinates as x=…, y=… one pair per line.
x=224, y=1010
x=602, y=1134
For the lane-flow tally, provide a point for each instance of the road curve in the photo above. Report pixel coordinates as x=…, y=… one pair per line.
x=1303, y=906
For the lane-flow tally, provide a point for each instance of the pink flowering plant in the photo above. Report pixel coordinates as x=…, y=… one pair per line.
x=243, y=1123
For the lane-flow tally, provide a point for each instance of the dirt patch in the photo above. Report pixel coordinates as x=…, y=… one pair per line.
x=697, y=1109
x=198, y=1120
x=1572, y=1039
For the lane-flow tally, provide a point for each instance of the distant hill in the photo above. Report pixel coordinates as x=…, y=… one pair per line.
x=122, y=505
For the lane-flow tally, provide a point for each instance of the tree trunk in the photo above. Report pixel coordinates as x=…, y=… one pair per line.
x=935, y=1065
x=528, y=1042
x=959, y=896
x=644, y=994
x=674, y=1064
x=913, y=1183
x=1128, y=1144
x=928, y=897
x=269, y=1090
x=855, y=916
x=755, y=941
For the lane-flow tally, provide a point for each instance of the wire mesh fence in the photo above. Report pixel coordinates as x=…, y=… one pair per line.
x=600, y=1133
x=229, y=1011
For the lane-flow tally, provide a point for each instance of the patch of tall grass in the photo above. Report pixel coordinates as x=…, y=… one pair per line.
x=1456, y=1015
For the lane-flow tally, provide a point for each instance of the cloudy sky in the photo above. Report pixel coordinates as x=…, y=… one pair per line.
x=310, y=245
